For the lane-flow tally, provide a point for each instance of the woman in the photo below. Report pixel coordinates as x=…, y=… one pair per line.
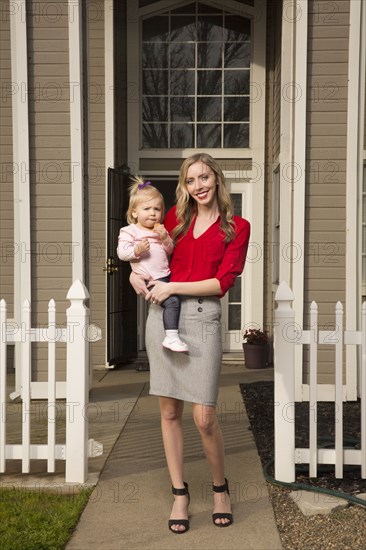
x=210, y=251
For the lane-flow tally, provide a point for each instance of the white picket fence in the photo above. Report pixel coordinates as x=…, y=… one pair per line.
x=77, y=447
x=286, y=336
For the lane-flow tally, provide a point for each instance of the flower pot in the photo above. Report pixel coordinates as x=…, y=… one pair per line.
x=255, y=356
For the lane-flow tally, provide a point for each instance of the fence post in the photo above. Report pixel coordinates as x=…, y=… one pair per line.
x=77, y=385
x=284, y=384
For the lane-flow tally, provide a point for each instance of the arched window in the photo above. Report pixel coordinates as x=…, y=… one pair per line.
x=195, y=79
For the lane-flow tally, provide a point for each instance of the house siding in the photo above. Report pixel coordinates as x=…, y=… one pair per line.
x=326, y=150
x=96, y=238
x=50, y=167
x=6, y=164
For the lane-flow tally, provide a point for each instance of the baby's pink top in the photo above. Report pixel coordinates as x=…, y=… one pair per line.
x=152, y=264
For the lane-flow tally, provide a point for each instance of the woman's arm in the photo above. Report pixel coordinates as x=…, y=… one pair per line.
x=162, y=291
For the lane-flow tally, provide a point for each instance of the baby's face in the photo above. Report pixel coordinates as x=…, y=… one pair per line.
x=148, y=213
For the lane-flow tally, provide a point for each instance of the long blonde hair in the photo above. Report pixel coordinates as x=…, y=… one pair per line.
x=141, y=190
x=186, y=206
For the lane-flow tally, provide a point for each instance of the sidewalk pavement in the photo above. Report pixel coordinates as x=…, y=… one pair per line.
x=131, y=502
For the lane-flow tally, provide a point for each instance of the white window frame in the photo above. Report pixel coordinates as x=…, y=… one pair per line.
x=232, y=339
x=135, y=14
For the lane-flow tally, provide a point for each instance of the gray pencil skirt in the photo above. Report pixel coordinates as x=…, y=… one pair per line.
x=192, y=376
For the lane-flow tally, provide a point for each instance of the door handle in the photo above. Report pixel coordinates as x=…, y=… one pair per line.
x=110, y=266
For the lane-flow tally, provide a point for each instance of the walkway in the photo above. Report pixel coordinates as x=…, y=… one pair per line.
x=130, y=505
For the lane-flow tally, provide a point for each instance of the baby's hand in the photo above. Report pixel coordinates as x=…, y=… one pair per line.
x=161, y=231
x=142, y=247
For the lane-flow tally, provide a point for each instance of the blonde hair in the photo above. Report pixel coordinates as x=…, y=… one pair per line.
x=141, y=190
x=186, y=206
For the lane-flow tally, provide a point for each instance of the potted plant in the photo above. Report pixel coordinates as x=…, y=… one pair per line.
x=256, y=348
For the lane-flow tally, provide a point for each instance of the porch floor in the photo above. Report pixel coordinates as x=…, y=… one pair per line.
x=131, y=502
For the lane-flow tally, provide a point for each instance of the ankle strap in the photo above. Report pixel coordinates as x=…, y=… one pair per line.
x=221, y=488
x=180, y=492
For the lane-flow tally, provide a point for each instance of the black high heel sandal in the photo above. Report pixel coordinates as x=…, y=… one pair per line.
x=183, y=522
x=223, y=515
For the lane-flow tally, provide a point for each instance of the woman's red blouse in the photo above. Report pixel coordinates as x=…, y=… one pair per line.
x=208, y=256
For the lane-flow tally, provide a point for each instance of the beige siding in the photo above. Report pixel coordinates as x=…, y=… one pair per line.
x=6, y=164
x=273, y=110
x=49, y=118
x=97, y=187
x=326, y=164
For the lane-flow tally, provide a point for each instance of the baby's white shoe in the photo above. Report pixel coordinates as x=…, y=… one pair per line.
x=175, y=344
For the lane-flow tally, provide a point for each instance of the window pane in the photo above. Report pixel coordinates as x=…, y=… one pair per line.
x=195, y=77
x=209, y=55
x=237, y=55
x=238, y=203
x=155, y=136
x=209, y=109
x=182, y=136
x=155, y=109
x=182, y=108
x=209, y=83
x=208, y=135
x=234, y=317
x=209, y=28
x=182, y=82
x=182, y=55
x=236, y=109
x=156, y=29
x=237, y=29
x=236, y=135
x=154, y=82
x=154, y=55
x=236, y=82
x=183, y=28
x=235, y=291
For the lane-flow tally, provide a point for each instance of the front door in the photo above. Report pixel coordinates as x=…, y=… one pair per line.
x=198, y=74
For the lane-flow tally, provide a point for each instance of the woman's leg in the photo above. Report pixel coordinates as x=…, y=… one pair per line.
x=208, y=425
x=171, y=411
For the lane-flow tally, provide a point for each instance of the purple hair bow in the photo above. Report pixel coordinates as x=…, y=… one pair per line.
x=142, y=185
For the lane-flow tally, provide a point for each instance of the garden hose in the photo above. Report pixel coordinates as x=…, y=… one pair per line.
x=313, y=488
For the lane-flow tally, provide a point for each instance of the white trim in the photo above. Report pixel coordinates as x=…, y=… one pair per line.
x=299, y=174
x=254, y=272
x=76, y=137
x=361, y=160
x=245, y=154
x=21, y=178
x=109, y=135
x=109, y=84
x=241, y=9
x=287, y=135
x=22, y=233
x=354, y=184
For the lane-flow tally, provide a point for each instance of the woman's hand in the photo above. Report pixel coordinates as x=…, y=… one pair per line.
x=159, y=291
x=139, y=285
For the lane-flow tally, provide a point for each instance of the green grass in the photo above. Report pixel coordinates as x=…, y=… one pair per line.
x=37, y=520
